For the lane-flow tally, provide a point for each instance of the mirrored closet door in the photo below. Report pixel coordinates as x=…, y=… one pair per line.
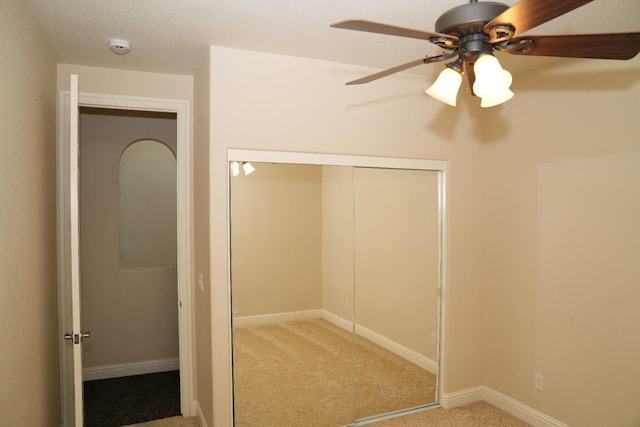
x=396, y=249
x=334, y=277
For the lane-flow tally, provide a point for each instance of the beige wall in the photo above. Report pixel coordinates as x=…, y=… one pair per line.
x=303, y=105
x=337, y=241
x=381, y=252
x=563, y=238
x=28, y=294
x=128, y=83
x=132, y=314
x=200, y=236
x=276, y=239
x=397, y=258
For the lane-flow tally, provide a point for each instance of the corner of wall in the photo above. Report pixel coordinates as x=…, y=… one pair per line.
x=201, y=243
x=28, y=263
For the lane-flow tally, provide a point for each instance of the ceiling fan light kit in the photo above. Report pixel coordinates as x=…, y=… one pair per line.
x=446, y=86
x=492, y=82
x=473, y=31
x=496, y=98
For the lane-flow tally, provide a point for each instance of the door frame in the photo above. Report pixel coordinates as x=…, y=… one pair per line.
x=184, y=238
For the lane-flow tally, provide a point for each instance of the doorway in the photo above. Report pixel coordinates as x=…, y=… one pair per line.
x=179, y=308
x=128, y=270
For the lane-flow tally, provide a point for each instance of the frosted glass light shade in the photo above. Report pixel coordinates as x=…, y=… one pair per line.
x=486, y=64
x=492, y=81
x=248, y=168
x=446, y=86
x=487, y=85
x=496, y=98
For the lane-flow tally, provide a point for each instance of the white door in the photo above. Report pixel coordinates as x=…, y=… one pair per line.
x=75, y=337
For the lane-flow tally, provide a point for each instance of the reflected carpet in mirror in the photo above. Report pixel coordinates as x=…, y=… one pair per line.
x=311, y=372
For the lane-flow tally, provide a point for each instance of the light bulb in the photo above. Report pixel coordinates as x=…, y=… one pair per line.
x=446, y=86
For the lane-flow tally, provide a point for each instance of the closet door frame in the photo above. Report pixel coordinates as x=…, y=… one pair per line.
x=440, y=166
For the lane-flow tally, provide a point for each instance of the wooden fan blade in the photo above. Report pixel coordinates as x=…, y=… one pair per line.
x=598, y=46
x=388, y=71
x=527, y=14
x=392, y=30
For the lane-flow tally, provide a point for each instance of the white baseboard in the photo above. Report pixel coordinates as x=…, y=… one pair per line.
x=520, y=410
x=340, y=322
x=128, y=369
x=262, y=319
x=202, y=422
x=406, y=353
x=462, y=397
x=502, y=401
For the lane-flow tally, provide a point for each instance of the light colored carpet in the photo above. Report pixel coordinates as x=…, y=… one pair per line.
x=303, y=373
x=169, y=422
x=479, y=414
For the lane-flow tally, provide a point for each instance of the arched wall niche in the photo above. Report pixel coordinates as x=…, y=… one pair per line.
x=146, y=205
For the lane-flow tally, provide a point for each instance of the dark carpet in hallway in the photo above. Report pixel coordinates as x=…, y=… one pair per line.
x=116, y=402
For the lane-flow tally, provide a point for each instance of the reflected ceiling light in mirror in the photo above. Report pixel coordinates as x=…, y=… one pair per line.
x=247, y=168
x=235, y=168
x=446, y=86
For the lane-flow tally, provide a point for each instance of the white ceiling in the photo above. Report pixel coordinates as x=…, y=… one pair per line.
x=172, y=36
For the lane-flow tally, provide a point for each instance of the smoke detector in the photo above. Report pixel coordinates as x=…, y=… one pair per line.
x=119, y=46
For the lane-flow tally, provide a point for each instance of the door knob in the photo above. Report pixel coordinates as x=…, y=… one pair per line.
x=77, y=338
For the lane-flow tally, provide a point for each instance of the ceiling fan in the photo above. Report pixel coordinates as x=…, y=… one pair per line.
x=470, y=33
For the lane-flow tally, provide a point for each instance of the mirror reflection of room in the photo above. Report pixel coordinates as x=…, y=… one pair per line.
x=396, y=247
x=334, y=272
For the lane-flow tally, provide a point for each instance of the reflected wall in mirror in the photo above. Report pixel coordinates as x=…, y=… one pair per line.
x=334, y=271
x=396, y=247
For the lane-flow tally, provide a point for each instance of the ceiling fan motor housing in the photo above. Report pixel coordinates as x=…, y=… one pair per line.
x=467, y=22
x=468, y=18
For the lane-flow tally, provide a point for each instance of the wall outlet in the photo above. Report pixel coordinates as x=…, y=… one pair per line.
x=201, y=281
x=434, y=338
x=539, y=382
x=346, y=303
